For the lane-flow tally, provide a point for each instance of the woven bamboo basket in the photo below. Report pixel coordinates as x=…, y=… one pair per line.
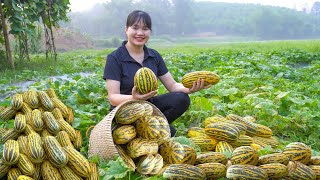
x=101, y=141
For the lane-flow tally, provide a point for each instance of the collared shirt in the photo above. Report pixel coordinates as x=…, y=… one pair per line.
x=120, y=66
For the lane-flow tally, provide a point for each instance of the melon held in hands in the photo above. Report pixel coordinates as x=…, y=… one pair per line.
x=145, y=80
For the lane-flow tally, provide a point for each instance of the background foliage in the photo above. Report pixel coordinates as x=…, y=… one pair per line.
x=185, y=17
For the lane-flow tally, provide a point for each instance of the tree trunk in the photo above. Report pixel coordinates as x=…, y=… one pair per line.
x=6, y=38
x=25, y=42
x=46, y=35
x=51, y=32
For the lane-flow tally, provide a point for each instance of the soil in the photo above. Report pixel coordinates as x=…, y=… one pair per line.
x=67, y=40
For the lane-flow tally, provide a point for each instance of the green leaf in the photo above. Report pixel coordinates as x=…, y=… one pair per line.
x=230, y=91
x=282, y=95
x=117, y=169
x=266, y=150
x=203, y=103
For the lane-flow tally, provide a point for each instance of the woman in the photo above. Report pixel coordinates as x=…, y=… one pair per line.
x=123, y=63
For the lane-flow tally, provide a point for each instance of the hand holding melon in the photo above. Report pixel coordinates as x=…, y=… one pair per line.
x=208, y=78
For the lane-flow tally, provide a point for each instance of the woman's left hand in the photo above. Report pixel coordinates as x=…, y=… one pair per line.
x=198, y=85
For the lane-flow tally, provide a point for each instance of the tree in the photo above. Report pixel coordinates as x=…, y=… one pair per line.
x=184, y=16
x=6, y=38
x=23, y=17
x=316, y=8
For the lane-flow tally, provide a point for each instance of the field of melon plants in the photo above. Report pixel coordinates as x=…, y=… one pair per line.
x=276, y=82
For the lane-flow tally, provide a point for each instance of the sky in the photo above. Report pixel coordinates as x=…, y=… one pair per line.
x=83, y=5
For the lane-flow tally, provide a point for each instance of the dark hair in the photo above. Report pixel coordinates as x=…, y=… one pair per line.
x=136, y=16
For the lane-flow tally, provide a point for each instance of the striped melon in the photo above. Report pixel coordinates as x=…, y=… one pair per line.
x=272, y=141
x=190, y=155
x=4, y=168
x=213, y=170
x=244, y=155
x=242, y=127
x=184, y=172
x=33, y=100
x=20, y=123
x=14, y=173
x=148, y=109
x=139, y=147
x=145, y=80
x=57, y=113
x=45, y=133
x=7, y=113
x=9, y=134
x=257, y=147
x=163, y=169
x=298, y=151
x=51, y=93
x=48, y=171
x=26, y=108
x=10, y=152
x=148, y=127
x=298, y=170
x=246, y=172
x=124, y=134
x=273, y=158
x=35, y=150
x=243, y=140
x=94, y=174
x=165, y=133
x=77, y=143
x=29, y=130
x=223, y=131
x=59, y=104
x=128, y=161
x=37, y=172
x=210, y=78
x=36, y=120
x=68, y=173
x=158, y=164
x=146, y=164
x=25, y=165
x=172, y=152
x=316, y=170
x=263, y=131
x=64, y=139
x=129, y=113
x=51, y=123
x=275, y=170
x=77, y=162
x=225, y=148
x=70, y=116
x=196, y=132
x=213, y=119
x=315, y=160
x=45, y=100
x=17, y=101
x=55, y=153
x=211, y=157
x=251, y=127
x=228, y=164
x=249, y=118
x=64, y=126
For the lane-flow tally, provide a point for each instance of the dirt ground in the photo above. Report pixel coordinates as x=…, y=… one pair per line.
x=66, y=40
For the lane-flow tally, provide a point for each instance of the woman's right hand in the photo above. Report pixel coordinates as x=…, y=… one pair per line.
x=136, y=95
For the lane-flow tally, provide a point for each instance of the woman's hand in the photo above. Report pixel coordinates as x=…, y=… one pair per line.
x=136, y=95
x=198, y=85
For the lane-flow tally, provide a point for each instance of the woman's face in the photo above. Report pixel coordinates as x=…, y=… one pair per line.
x=138, y=34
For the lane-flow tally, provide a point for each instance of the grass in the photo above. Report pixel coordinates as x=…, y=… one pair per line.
x=305, y=45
